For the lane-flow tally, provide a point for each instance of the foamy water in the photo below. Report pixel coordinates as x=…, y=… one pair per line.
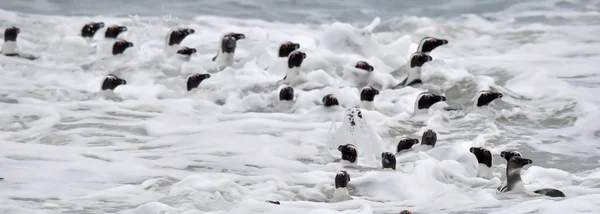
x=229, y=145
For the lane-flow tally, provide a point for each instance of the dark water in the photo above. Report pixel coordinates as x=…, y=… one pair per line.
x=295, y=11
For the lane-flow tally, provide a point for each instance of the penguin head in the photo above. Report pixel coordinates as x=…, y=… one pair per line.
x=388, y=160
x=287, y=47
x=114, y=30
x=330, y=100
x=178, y=35
x=418, y=59
x=427, y=99
x=111, y=82
x=518, y=162
x=229, y=41
x=428, y=44
x=296, y=58
x=91, y=28
x=120, y=46
x=286, y=93
x=364, y=66
x=349, y=152
x=342, y=178
x=429, y=138
x=486, y=97
x=195, y=79
x=368, y=93
x=483, y=155
x=11, y=34
x=406, y=143
x=405, y=212
x=509, y=154
x=186, y=51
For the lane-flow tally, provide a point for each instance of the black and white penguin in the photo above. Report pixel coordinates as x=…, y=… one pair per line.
x=293, y=73
x=274, y=202
x=484, y=160
x=367, y=97
x=412, y=69
x=427, y=99
x=515, y=183
x=286, y=48
x=195, y=79
x=227, y=46
x=361, y=75
x=388, y=161
x=111, y=82
x=342, y=178
x=405, y=212
x=406, y=143
x=185, y=53
x=364, y=66
x=10, y=47
x=429, y=138
x=89, y=30
x=121, y=46
x=113, y=31
x=507, y=155
x=484, y=98
x=175, y=37
x=349, y=153
x=286, y=94
x=428, y=44
x=329, y=100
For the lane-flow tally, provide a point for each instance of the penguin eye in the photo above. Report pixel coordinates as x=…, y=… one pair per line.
x=284, y=45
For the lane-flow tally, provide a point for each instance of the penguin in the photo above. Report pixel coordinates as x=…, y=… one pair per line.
x=388, y=161
x=175, y=37
x=342, y=178
x=514, y=182
x=89, y=30
x=428, y=44
x=429, y=138
x=329, y=100
x=111, y=82
x=367, y=97
x=293, y=73
x=484, y=160
x=227, y=47
x=349, y=153
x=194, y=80
x=113, y=31
x=120, y=46
x=286, y=94
x=412, y=70
x=485, y=97
x=427, y=99
x=406, y=143
x=10, y=47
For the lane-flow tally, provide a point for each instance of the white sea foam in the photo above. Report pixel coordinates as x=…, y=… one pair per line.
x=228, y=145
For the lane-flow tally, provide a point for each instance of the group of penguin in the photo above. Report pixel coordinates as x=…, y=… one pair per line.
x=289, y=50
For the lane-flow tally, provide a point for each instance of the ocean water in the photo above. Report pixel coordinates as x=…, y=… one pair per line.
x=229, y=145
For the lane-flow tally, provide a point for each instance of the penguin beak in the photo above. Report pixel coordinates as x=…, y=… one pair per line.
x=429, y=58
x=500, y=95
x=303, y=55
x=130, y=44
x=527, y=161
x=123, y=82
x=444, y=41
x=122, y=28
x=442, y=98
x=472, y=150
x=371, y=68
x=340, y=148
x=190, y=31
x=239, y=36
x=100, y=24
x=296, y=46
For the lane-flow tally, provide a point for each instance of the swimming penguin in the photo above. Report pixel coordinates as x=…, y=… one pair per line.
x=120, y=46
x=175, y=37
x=486, y=97
x=330, y=100
x=286, y=94
x=274, y=202
x=195, y=79
x=484, y=160
x=429, y=138
x=515, y=184
x=405, y=212
x=111, y=82
x=406, y=143
x=286, y=48
x=89, y=30
x=185, y=53
x=412, y=69
x=428, y=44
x=388, y=161
x=349, y=153
x=10, y=47
x=507, y=155
x=342, y=178
x=113, y=31
x=427, y=99
x=227, y=46
x=367, y=96
x=293, y=73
